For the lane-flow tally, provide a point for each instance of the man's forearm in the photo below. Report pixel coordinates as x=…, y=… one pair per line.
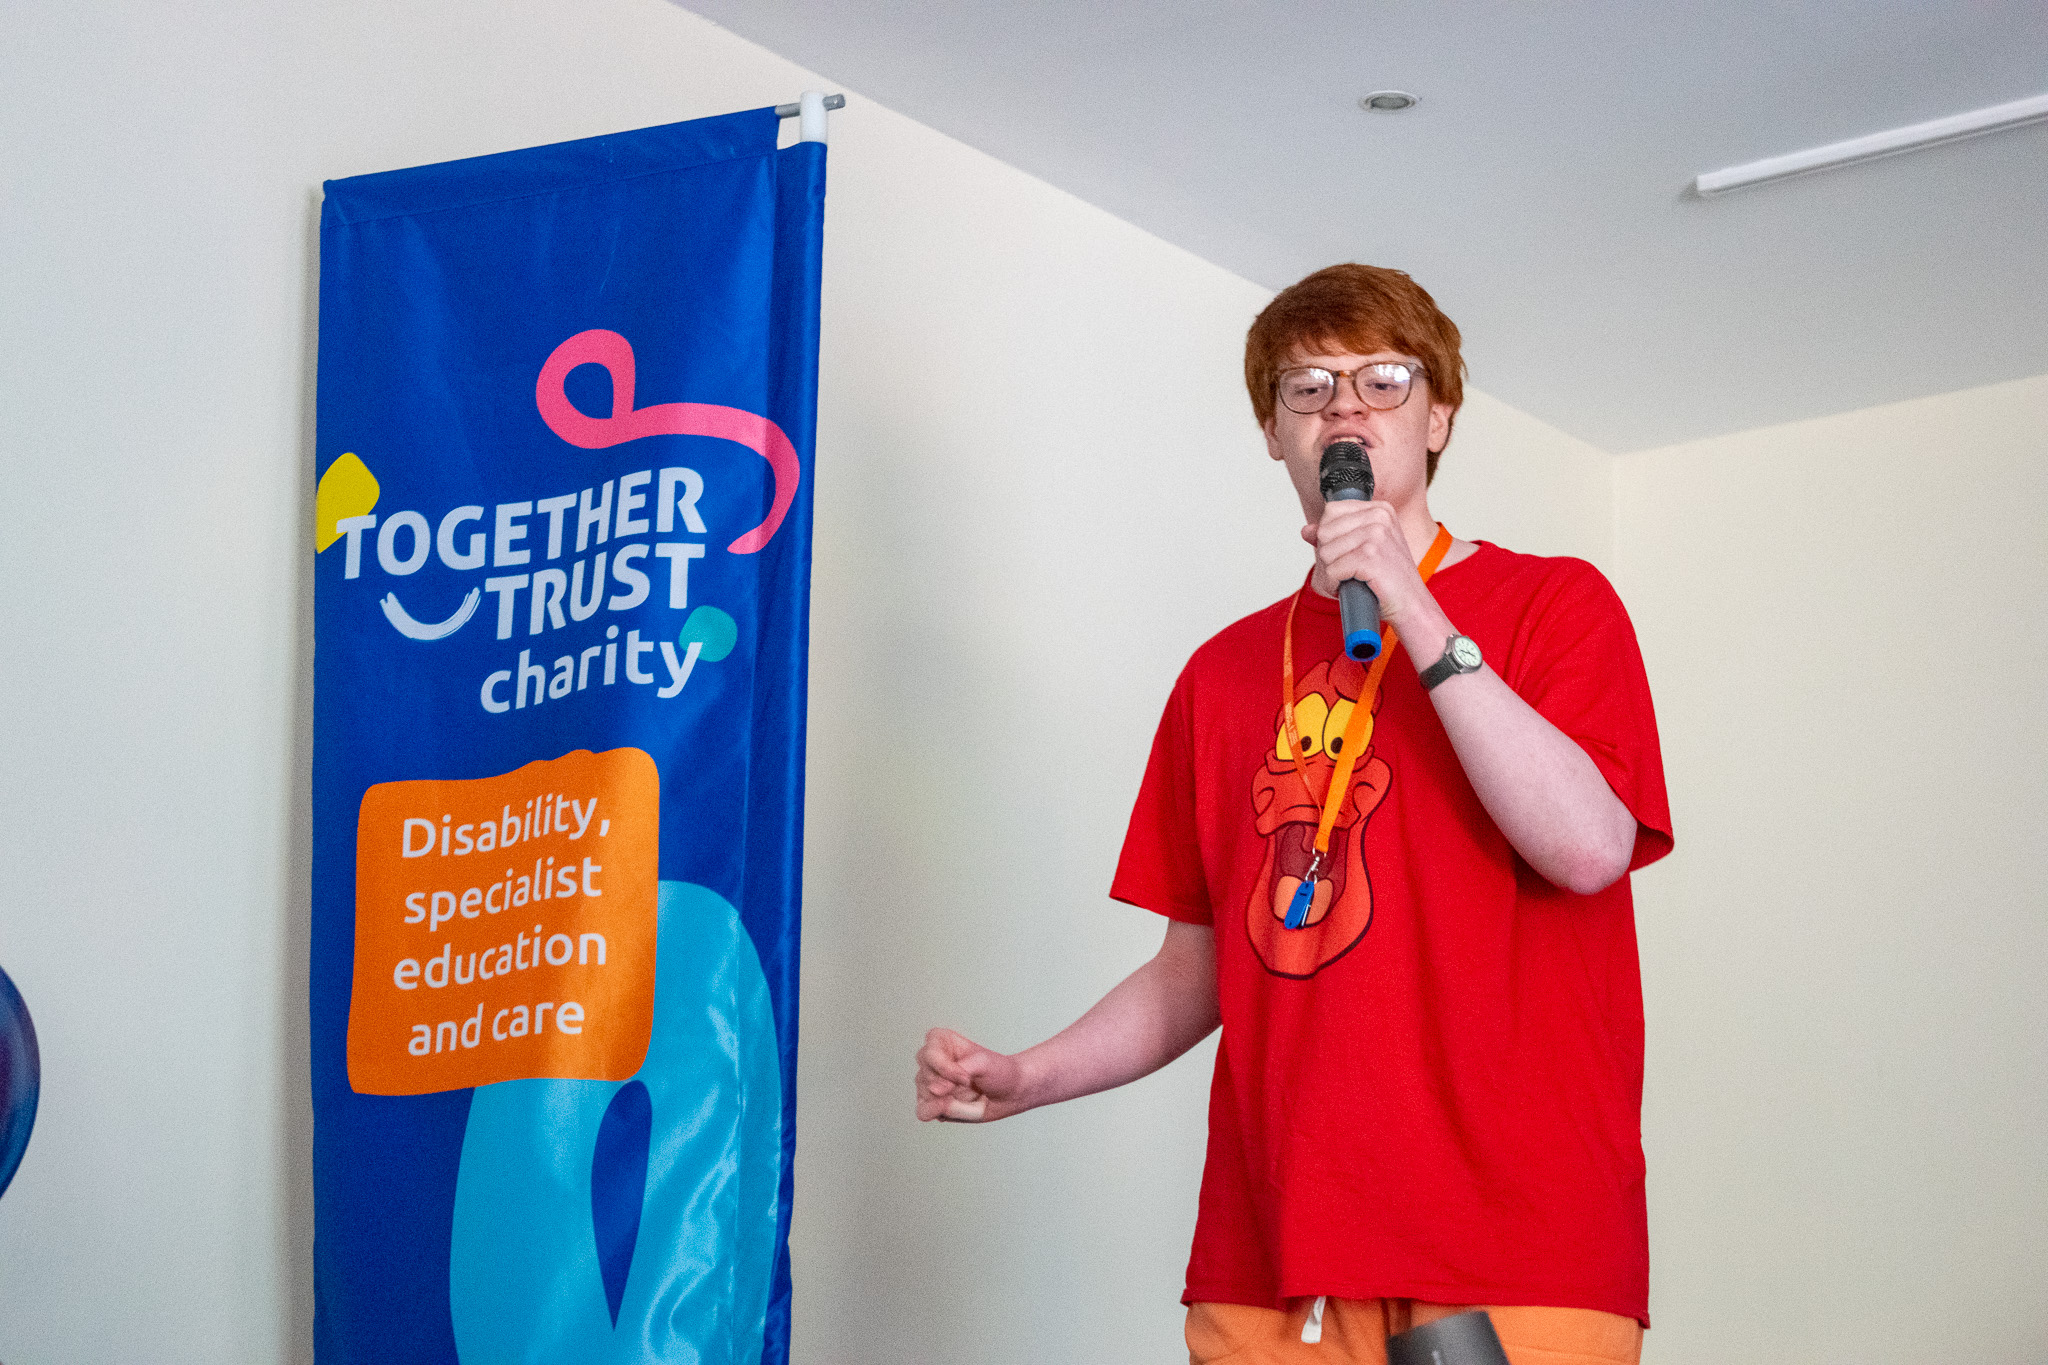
x=1540, y=787
x=1145, y=1021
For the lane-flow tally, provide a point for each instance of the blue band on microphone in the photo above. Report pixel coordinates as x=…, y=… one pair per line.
x=1362, y=645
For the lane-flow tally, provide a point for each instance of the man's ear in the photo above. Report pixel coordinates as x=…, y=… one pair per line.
x=1272, y=438
x=1440, y=415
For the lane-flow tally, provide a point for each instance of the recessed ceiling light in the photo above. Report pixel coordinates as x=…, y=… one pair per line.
x=1387, y=102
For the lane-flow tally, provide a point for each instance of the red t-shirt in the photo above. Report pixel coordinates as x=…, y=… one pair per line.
x=1434, y=1090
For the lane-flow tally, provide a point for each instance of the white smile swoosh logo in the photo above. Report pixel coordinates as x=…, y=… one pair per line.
x=403, y=623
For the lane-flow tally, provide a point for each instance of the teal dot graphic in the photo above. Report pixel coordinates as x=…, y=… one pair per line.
x=712, y=629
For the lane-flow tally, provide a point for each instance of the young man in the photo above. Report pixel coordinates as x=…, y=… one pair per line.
x=1403, y=893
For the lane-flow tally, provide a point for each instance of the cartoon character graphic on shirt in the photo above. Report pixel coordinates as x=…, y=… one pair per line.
x=1287, y=812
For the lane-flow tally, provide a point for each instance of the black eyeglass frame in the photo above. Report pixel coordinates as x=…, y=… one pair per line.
x=1413, y=372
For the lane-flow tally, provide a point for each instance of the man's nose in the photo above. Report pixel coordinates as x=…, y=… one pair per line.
x=1345, y=398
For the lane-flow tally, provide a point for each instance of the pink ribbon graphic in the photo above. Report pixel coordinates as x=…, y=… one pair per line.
x=628, y=423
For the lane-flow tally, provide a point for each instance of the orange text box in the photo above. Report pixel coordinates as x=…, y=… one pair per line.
x=505, y=927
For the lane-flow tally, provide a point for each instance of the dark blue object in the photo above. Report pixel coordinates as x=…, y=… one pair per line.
x=21, y=1076
x=618, y=1186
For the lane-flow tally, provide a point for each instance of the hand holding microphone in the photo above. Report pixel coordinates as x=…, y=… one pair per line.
x=1347, y=477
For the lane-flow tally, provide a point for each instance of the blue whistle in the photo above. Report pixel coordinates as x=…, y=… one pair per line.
x=1297, y=909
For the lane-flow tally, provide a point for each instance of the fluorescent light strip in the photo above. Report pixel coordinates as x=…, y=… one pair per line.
x=1912, y=138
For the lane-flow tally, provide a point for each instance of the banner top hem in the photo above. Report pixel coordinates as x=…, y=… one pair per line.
x=471, y=182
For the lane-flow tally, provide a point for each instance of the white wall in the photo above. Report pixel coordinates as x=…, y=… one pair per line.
x=1846, y=622
x=1510, y=479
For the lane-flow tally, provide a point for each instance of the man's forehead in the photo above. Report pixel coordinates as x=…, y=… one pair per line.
x=1345, y=360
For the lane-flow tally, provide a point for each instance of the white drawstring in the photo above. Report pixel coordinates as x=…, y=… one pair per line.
x=1312, y=1327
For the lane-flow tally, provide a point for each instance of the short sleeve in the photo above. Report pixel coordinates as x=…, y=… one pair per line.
x=1580, y=667
x=1161, y=865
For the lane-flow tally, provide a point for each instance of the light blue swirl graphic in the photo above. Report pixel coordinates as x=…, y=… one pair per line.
x=527, y=1282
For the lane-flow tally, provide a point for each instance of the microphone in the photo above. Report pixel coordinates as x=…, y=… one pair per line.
x=1347, y=477
x=1461, y=1339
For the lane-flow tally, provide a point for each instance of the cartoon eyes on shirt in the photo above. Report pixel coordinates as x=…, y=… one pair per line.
x=1333, y=729
x=1311, y=715
x=1321, y=727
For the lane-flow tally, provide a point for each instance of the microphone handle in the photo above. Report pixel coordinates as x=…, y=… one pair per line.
x=1358, y=606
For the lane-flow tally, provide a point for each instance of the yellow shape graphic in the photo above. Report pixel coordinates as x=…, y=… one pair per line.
x=347, y=489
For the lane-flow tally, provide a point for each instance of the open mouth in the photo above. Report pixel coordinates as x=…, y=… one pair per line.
x=1294, y=851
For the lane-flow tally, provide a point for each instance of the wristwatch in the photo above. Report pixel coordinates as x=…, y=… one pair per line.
x=1461, y=655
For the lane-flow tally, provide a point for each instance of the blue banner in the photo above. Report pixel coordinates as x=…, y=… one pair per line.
x=562, y=537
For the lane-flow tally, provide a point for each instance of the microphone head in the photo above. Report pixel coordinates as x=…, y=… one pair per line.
x=1346, y=472
x=1466, y=1338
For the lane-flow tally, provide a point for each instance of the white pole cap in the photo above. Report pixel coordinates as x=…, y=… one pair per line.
x=811, y=116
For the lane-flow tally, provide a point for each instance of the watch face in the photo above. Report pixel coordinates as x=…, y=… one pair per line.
x=1466, y=653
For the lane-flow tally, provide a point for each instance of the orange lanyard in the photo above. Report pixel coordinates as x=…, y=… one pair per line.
x=1356, y=729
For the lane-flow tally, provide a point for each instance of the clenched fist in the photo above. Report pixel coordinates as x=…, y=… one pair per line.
x=960, y=1081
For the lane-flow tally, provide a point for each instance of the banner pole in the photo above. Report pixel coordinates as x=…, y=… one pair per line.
x=811, y=109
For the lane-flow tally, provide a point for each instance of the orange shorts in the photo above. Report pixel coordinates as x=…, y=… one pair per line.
x=1355, y=1332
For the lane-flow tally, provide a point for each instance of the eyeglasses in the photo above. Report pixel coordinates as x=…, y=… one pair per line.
x=1308, y=390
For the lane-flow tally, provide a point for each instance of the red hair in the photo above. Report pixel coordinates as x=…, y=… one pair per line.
x=1357, y=309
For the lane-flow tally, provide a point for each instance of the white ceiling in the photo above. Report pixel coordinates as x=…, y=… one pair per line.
x=1540, y=188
